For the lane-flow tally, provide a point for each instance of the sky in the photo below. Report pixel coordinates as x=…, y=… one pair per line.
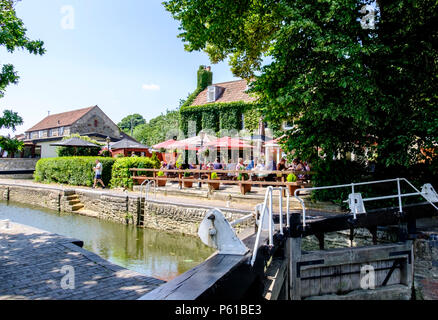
x=123, y=56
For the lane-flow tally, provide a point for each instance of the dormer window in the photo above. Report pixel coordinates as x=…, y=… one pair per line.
x=211, y=94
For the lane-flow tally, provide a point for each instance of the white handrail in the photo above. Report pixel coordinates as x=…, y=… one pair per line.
x=268, y=195
x=399, y=195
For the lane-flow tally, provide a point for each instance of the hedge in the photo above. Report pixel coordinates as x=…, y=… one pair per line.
x=121, y=176
x=76, y=171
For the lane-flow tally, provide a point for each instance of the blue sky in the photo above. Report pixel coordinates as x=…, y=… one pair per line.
x=123, y=56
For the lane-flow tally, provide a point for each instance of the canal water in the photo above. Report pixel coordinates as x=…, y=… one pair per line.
x=153, y=253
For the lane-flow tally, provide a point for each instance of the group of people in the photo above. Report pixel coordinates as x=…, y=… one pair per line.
x=258, y=166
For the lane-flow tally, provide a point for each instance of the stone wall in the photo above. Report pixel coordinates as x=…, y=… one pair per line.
x=426, y=269
x=43, y=197
x=116, y=207
x=113, y=207
x=7, y=164
x=96, y=121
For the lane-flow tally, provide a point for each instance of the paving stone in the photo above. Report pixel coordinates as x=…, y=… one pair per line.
x=30, y=268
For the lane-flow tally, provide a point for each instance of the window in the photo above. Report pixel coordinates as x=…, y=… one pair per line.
x=211, y=94
x=50, y=133
x=40, y=133
x=288, y=125
x=96, y=123
x=60, y=131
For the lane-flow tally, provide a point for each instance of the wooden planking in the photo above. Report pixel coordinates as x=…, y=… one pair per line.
x=346, y=279
x=335, y=257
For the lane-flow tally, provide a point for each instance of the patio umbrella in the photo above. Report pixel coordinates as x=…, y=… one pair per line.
x=127, y=144
x=193, y=143
x=75, y=142
x=228, y=142
x=164, y=144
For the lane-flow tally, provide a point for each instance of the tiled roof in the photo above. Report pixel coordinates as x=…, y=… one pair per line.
x=60, y=119
x=232, y=91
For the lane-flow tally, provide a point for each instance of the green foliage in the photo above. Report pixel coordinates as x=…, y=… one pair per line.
x=76, y=171
x=105, y=153
x=239, y=29
x=179, y=161
x=78, y=151
x=205, y=78
x=134, y=119
x=251, y=118
x=215, y=116
x=11, y=145
x=159, y=129
x=291, y=177
x=122, y=177
x=213, y=175
x=13, y=36
x=347, y=88
x=160, y=174
x=186, y=174
x=10, y=120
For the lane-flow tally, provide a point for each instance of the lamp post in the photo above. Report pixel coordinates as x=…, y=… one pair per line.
x=202, y=136
x=108, y=140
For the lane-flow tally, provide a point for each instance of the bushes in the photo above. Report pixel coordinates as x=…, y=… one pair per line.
x=78, y=171
x=121, y=176
x=72, y=170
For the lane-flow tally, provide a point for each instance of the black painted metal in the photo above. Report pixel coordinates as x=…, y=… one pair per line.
x=397, y=263
x=31, y=171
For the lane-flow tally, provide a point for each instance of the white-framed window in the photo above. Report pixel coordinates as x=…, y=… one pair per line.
x=50, y=133
x=211, y=94
x=40, y=133
x=288, y=125
x=60, y=131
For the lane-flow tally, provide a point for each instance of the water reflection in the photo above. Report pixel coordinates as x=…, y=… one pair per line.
x=150, y=252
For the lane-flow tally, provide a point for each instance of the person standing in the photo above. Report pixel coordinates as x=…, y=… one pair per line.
x=98, y=174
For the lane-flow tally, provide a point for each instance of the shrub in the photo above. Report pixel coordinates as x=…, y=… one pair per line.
x=76, y=171
x=122, y=177
x=214, y=175
x=186, y=174
x=291, y=177
x=160, y=174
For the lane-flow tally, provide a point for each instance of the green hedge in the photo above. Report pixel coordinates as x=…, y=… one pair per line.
x=76, y=171
x=121, y=176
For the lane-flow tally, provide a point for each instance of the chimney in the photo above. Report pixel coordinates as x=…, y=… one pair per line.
x=205, y=77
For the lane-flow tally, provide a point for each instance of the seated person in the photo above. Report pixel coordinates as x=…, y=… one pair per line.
x=217, y=165
x=260, y=167
x=250, y=165
x=230, y=166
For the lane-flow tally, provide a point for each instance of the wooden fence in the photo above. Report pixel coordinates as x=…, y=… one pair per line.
x=204, y=176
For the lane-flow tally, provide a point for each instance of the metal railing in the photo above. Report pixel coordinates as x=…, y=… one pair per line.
x=147, y=189
x=399, y=194
x=269, y=211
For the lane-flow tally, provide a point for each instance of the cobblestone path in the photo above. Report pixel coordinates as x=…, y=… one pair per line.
x=35, y=264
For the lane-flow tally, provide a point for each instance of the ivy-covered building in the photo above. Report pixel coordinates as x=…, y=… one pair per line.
x=218, y=106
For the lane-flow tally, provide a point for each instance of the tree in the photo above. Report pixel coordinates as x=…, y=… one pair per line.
x=11, y=145
x=156, y=130
x=129, y=123
x=10, y=120
x=348, y=85
x=13, y=36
